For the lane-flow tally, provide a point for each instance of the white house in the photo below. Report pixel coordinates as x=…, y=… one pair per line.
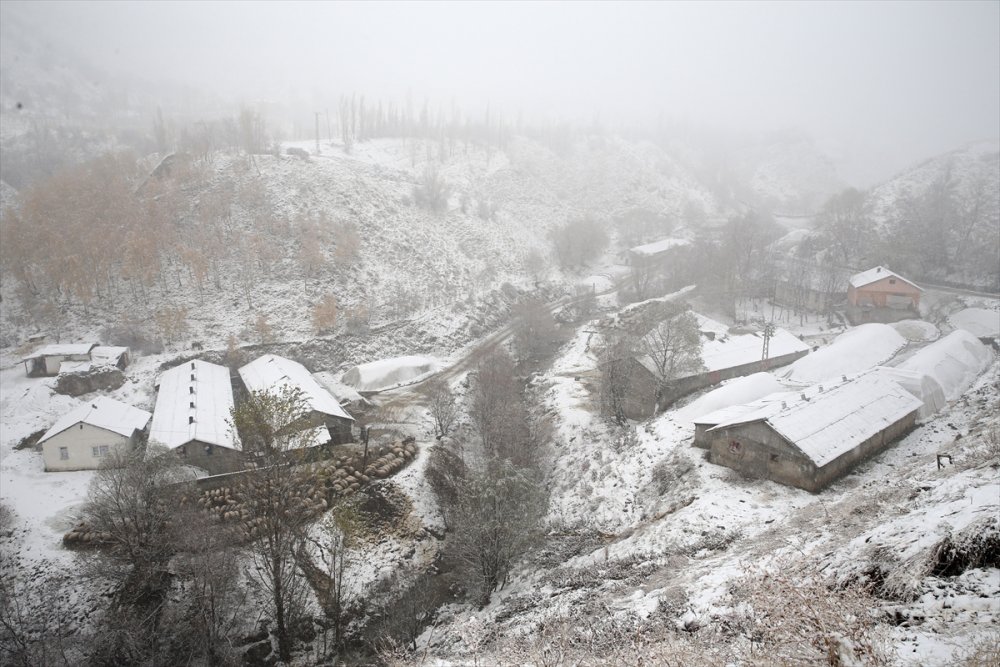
x=192, y=417
x=82, y=438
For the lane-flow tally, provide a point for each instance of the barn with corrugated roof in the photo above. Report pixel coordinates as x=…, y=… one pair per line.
x=810, y=439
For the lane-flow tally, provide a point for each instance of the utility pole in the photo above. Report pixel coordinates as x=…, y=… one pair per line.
x=317, y=133
x=768, y=332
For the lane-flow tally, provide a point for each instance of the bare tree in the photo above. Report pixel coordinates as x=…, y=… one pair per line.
x=498, y=413
x=208, y=561
x=324, y=313
x=844, y=224
x=673, y=346
x=534, y=328
x=616, y=363
x=495, y=521
x=442, y=405
x=432, y=191
x=579, y=241
x=268, y=426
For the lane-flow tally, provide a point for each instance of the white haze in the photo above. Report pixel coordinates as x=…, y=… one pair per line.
x=878, y=85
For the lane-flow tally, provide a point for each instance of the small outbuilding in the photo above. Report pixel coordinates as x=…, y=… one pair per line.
x=46, y=360
x=84, y=437
x=194, y=405
x=816, y=438
x=881, y=295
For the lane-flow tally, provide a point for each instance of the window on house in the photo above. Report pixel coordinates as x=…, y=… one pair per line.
x=892, y=281
x=100, y=451
x=734, y=446
x=64, y=453
x=182, y=450
x=208, y=450
x=774, y=458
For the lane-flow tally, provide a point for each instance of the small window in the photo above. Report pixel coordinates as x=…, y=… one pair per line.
x=182, y=450
x=892, y=281
x=208, y=450
x=774, y=458
x=64, y=453
x=100, y=451
x=735, y=447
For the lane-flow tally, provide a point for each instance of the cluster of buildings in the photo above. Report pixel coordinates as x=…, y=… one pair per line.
x=192, y=418
x=809, y=437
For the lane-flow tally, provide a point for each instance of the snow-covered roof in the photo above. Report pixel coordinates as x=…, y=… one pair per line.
x=212, y=397
x=102, y=412
x=107, y=355
x=730, y=350
x=737, y=391
x=858, y=349
x=981, y=322
x=273, y=373
x=832, y=421
x=921, y=385
x=955, y=361
x=60, y=350
x=874, y=275
x=735, y=350
x=388, y=372
x=657, y=247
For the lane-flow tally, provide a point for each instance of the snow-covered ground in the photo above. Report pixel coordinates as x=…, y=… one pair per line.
x=674, y=533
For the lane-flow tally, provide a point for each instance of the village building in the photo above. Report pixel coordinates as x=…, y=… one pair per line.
x=46, y=360
x=655, y=253
x=724, y=354
x=880, y=295
x=100, y=356
x=84, y=437
x=808, y=286
x=329, y=423
x=816, y=437
x=192, y=417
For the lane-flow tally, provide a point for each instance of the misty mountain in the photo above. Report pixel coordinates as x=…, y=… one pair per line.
x=945, y=216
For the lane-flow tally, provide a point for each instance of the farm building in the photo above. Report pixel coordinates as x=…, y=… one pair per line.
x=46, y=360
x=273, y=373
x=808, y=286
x=880, y=295
x=100, y=356
x=954, y=362
x=656, y=252
x=192, y=417
x=810, y=440
x=82, y=438
x=725, y=355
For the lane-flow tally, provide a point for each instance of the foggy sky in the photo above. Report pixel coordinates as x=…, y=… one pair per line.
x=878, y=84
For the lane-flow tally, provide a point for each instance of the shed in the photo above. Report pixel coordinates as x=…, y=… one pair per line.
x=192, y=417
x=47, y=359
x=816, y=438
x=273, y=373
x=881, y=295
x=82, y=438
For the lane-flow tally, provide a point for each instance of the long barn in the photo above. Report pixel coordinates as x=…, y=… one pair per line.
x=814, y=438
x=192, y=417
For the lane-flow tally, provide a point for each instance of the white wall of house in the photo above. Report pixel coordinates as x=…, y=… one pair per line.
x=73, y=449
